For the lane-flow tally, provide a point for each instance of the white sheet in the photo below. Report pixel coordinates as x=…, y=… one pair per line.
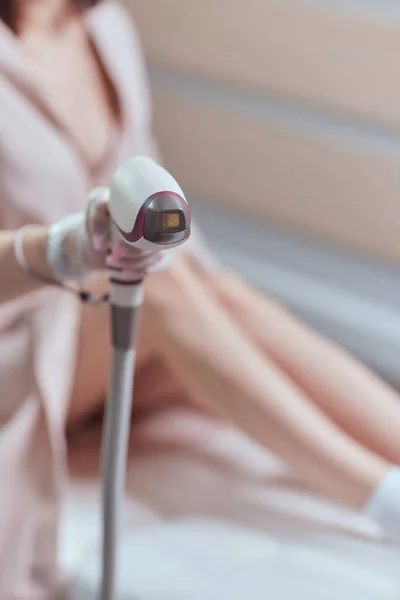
x=211, y=516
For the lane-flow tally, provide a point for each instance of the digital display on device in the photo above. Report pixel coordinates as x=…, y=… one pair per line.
x=171, y=220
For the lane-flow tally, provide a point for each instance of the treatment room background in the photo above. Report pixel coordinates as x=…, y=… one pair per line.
x=281, y=119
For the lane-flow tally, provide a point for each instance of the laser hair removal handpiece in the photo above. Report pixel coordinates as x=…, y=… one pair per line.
x=149, y=211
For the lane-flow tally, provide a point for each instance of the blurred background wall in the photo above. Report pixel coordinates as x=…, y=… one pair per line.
x=287, y=108
x=282, y=118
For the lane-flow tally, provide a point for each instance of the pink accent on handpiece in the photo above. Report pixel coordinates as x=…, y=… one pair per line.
x=125, y=282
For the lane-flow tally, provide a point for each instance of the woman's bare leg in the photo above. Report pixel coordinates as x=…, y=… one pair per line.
x=356, y=399
x=92, y=363
x=93, y=360
x=154, y=387
x=224, y=371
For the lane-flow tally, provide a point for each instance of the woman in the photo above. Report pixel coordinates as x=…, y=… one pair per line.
x=222, y=346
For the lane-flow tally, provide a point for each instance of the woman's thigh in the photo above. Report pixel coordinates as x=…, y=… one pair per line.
x=92, y=364
x=155, y=385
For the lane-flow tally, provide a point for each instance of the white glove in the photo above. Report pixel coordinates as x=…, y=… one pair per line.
x=80, y=244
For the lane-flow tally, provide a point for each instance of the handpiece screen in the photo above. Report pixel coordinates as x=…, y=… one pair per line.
x=167, y=220
x=171, y=220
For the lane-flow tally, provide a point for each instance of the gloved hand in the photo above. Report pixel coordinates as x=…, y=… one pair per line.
x=80, y=244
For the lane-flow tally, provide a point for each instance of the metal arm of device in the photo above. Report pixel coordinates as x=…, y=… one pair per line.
x=149, y=211
x=124, y=322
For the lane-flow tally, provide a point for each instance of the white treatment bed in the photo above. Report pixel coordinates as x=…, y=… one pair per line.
x=211, y=516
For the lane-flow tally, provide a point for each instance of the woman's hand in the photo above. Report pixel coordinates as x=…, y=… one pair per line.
x=80, y=245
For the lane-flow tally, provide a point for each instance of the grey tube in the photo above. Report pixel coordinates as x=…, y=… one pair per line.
x=116, y=440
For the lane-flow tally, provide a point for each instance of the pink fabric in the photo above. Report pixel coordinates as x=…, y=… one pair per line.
x=42, y=178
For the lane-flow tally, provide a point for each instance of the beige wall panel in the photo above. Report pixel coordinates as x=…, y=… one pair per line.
x=342, y=187
x=325, y=54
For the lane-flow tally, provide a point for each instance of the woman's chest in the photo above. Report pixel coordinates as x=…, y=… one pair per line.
x=75, y=87
x=44, y=173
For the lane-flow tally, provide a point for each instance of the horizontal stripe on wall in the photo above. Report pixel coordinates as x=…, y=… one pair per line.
x=328, y=55
x=323, y=179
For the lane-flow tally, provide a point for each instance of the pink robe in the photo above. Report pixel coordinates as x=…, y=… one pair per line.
x=42, y=177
